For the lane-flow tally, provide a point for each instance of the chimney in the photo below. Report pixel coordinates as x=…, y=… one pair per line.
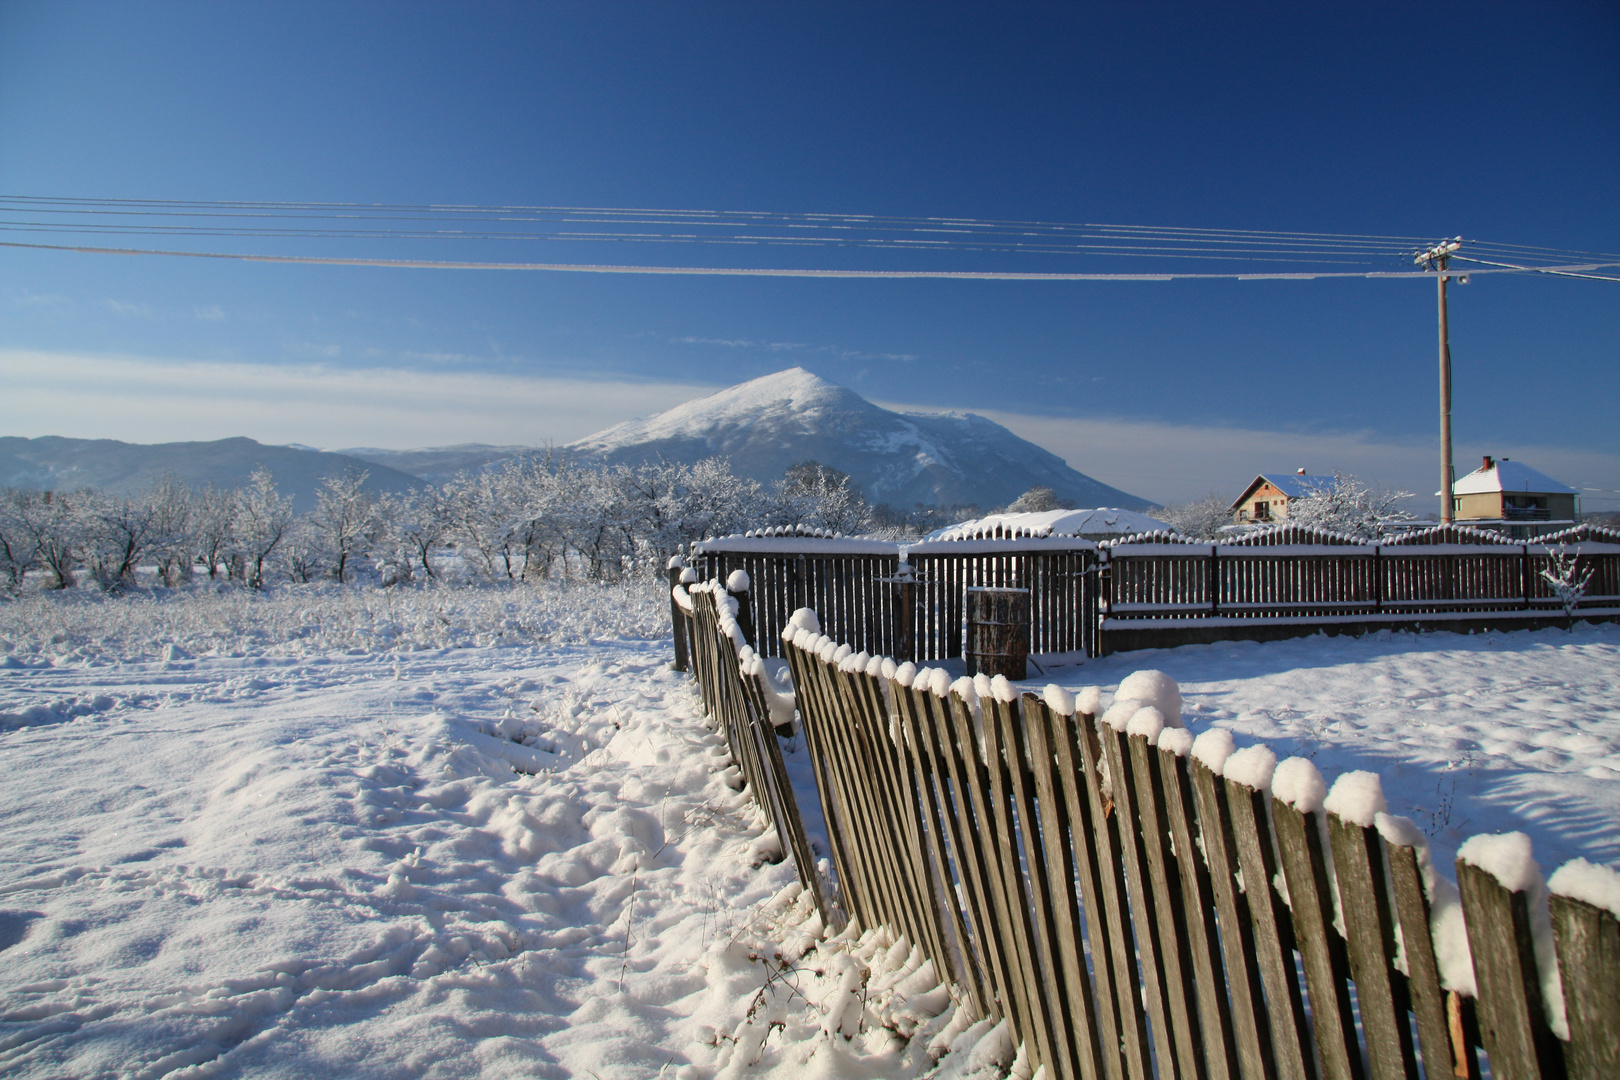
x=1489, y=464
x=1301, y=472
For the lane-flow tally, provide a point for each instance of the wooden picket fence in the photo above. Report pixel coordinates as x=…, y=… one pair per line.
x=916, y=609
x=1092, y=888
x=1143, y=591
x=1291, y=572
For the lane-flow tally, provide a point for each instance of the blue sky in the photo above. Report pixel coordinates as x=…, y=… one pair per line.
x=1495, y=121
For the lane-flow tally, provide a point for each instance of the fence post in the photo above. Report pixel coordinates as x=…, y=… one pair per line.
x=738, y=586
x=677, y=620
x=1214, y=579
x=905, y=612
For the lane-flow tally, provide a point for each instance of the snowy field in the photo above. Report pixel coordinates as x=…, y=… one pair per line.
x=486, y=832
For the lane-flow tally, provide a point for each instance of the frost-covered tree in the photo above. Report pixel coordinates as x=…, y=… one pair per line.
x=17, y=546
x=1347, y=504
x=117, y=532
x=344, y=523
x=52, y=526
x=415, y=524
x=260, y=525
x=171, y=542
x=1202, y=518
x=811, y=493
x=212, y=513
x=1034, y=501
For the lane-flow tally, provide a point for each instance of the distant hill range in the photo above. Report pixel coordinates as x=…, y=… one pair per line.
x=763, y=426
x=56, y=464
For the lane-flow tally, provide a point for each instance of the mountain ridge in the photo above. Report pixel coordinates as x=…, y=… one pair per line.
x=767, y=424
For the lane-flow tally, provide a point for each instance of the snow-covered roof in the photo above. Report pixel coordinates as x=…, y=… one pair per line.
x=1293, y=485
x=1506, y=475
x=1103, y=520
x=1296, y=485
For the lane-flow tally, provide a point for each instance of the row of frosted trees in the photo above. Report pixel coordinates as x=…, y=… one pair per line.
x=534, y=518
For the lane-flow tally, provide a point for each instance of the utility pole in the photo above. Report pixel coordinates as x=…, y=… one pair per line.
x=1436, y=258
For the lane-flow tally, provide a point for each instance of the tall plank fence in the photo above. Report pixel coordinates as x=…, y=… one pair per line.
x=1162, y=590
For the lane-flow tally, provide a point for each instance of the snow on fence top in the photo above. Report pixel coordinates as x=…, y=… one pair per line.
x=789, y=539
x=1293, y=535
x=1104, y=520
x=1447, y=534
x=1001, y=546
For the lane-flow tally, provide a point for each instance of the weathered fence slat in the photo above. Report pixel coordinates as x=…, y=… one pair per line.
x=1512, y=1020
x=1086, y=1028
x=1273, y=931
x=1163, y=881
x=1441, y=1049
x=1251, y=1024
x=1369, y=923
x=1588, y=944
x=1221, y=1056
x=1143, y=911
x=1327, y=970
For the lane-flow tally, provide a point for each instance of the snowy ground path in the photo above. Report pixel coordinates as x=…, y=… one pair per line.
x=327, y=865
x=1472, y=734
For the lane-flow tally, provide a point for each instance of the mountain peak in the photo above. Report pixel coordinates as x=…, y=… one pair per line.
x=768, y=424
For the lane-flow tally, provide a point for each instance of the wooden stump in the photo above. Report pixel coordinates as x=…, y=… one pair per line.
x=998, y=632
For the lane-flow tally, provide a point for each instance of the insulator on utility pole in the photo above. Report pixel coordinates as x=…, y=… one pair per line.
x=1436, y=258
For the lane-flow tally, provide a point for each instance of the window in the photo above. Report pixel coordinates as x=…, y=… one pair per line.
x=1262, y=510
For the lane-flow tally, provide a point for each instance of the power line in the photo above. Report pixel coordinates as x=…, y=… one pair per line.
x=960, y=275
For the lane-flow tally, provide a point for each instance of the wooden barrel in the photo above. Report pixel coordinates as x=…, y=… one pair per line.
x=998, y=632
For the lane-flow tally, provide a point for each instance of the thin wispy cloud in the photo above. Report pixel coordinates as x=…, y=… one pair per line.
x=124, y=307
x=210, y=313
x=143, y=399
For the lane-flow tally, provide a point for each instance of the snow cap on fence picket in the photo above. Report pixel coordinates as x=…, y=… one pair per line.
x=806, y=618
x=1002, y=690
x=1120, y=712
x=737, y=581
x=1588, y=882
x=1252, y=765
x=841, y=651
x=675, y=563
x=939, y=682
x=1147, y=721
x=1506, y=857
x=1213, y=747
x=874, y=667
x=1058, y=699
x=801, y=637
x=1357, y=797
x=905, y=673
x=887, y=667
x=827, y=649
x=964, y=689
x=1298, y=782
x=1088, y=700
x=981, y=685
x=1176, y=740
x=1154, y=688
x=689, y=576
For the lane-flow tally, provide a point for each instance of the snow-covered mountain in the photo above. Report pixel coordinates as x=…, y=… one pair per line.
x=59, y=464
x=770, y=423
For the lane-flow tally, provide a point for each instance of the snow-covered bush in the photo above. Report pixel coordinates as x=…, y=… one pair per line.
x=1565, y=578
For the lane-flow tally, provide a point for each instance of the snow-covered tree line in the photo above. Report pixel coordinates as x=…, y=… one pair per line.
x=534, y=518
